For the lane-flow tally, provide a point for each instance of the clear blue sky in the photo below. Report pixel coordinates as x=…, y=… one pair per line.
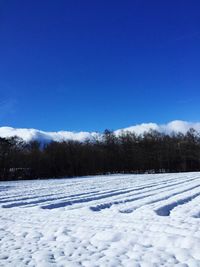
x=91, y=65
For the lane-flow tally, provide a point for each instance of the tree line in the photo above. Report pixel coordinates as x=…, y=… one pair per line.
x=152, y=152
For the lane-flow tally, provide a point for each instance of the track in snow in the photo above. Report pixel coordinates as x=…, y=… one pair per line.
x=120, y=220
x=140, y=193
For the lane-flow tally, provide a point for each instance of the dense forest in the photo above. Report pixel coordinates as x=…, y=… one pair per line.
x=128, y=153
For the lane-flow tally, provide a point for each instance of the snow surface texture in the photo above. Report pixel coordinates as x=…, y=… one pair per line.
x=33, y=134
x=121, y=220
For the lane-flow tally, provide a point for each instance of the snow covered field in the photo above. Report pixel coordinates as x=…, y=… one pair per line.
x=121, y=220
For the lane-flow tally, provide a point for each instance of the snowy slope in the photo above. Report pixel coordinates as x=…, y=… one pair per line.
x=34, y=134
x=122, y=220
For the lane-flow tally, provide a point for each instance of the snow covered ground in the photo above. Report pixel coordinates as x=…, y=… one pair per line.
x=121, y=220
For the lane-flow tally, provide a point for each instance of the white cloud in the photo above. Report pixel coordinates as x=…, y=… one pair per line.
x=33, y=134
x=173, y=126
x=140, y=128
x=180, y=126
x=7, y=107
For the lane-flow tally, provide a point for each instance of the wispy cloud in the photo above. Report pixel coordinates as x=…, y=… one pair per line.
x=188, y=36
x=7, y=107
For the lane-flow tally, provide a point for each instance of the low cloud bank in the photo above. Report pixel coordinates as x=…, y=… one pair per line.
x=173, y=126
x=33, y=134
